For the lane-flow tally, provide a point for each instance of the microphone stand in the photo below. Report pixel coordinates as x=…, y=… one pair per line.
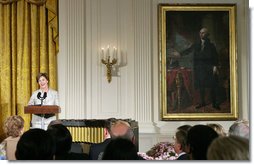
x=43, y=115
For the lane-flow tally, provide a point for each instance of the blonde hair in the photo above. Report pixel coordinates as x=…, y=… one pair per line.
x=13, y=126
x=229, y=148
x=218, y=128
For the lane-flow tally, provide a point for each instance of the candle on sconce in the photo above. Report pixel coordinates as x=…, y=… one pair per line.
x=108, y=53
x=114, y=53
x=102, y=53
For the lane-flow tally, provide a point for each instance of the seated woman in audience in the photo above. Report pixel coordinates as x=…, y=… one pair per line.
x=218, y=128
x=229, y=148
x=181, y=144
x=13, y=128
x=120, y=149
x=198, y=140
x=63, y=140
x=240, y=128
x=35, y=144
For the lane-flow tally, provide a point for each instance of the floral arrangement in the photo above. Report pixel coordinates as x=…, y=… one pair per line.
x=160, y=151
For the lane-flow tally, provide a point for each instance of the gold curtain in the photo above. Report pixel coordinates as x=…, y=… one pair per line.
x=28, y=45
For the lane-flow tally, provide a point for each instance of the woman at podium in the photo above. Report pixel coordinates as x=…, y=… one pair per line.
x=40, y=97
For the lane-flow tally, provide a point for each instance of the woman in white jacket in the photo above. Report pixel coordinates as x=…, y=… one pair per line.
x=43, y=96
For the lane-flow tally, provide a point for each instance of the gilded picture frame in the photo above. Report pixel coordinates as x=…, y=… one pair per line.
x=198, y=62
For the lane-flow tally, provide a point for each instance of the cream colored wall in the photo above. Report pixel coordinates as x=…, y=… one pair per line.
x=131, y=26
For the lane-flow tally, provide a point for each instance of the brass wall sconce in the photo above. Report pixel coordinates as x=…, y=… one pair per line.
x=107, y=62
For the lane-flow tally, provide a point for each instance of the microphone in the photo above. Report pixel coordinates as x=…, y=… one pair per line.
x=39, y=95
x=41, y=98
x=44, y=95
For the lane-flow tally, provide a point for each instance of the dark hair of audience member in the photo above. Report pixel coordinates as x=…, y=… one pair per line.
x=63, y=140
x=62, y=137
x=120, y=149
x=229, y=148
x=108, y=123
x=53, y=122
x=35, y=144
x=198, y=139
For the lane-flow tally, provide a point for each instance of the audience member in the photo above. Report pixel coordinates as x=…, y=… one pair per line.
x=218, y=128
x=120, y=149
x=240, y=128
x=229, y=148
x=122, y=129
x=63, y=140
x=185, y=127
x=97, y=149
x=75, y=147
x=181, y=144
x=198, y=140
x=35, y=144
x=13, y=128
x=53, y=122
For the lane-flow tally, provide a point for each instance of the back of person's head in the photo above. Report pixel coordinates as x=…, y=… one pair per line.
x=122, y=129
x=53, y=122
x=120, y=149
x=185, y=127
x=218, y=128
x=62, y=138
x=229, y=148
x=107, y=127
x=35, y=144
x=198, y=139
x=240, y=128
x=13, y=126
x=180, y=141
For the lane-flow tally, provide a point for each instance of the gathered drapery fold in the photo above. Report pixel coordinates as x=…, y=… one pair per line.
x=28, y=45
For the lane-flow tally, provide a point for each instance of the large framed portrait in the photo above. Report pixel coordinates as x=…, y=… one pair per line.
x=198, y=62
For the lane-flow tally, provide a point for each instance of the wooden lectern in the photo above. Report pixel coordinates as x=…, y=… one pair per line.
x=44, y=111
x=40, y=110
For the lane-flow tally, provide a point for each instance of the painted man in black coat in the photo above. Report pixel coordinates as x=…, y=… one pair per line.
x=205, y=69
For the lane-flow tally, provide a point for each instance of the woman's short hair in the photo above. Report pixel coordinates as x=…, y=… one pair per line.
x=13, y=126
x=42, y=75
x=229, y=148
